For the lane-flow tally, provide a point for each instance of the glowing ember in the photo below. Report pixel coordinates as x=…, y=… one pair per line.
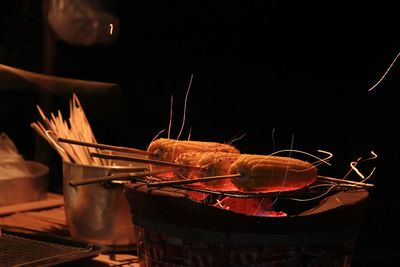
x=250, y=206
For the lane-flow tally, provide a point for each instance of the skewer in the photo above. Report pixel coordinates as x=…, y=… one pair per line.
x=211, y=178
x=121, y=176
x=341, y=181
x=144, y=160
x=56, y=126
x=192, y=181
x=104, y=146
x=127, y=169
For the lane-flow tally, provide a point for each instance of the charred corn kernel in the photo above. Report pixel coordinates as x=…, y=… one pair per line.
x=211, y=163
x=265, y=173
x=169, y=149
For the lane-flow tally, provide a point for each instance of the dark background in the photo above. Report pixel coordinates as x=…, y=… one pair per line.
x=300, y=70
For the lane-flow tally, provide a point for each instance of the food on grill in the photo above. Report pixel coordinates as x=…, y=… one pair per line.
x=169, y=149
x=260, y=173
x=211, y=163
x=263, y=173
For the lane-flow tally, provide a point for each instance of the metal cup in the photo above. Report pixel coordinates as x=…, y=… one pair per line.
x=98, y=213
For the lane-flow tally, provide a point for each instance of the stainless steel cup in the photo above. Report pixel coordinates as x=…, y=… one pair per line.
x=98, y=213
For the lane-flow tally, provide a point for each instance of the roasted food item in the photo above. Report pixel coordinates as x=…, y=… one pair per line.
x=264, y=173
x=211, y=164
x=259, y=173
x=169, y=149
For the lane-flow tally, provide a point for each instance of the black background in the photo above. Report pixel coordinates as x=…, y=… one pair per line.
x=300, y=70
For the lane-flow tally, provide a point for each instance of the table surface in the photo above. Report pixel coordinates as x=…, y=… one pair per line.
x=48, y=216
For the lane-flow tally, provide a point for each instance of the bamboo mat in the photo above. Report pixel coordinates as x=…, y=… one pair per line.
x=48, y=216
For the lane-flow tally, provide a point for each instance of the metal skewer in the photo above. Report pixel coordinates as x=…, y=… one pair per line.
x=192, y=181
x=104, y=146
x=342, y=181
x=121, y=176
x=221, y=177
x=204, y=179
x=144, y=160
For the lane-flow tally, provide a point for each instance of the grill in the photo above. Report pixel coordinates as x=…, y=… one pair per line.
x=174, y=229
x=34, y=250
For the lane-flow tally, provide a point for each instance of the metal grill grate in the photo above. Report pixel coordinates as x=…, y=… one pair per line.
x=21, y=251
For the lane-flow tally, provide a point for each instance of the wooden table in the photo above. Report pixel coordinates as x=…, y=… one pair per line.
x=48, y=216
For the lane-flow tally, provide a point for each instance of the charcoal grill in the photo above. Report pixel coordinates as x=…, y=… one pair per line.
x=172, y=228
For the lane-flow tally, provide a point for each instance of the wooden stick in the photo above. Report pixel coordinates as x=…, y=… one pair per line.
x=77, y=129
x=192, y=181
x=121, y=176
x=144, y=160
x=51, y=135
x=44, y=118
x=104, y=146
x=52, y=200
x=342, y=181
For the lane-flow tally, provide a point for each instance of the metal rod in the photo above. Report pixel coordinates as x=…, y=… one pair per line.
x=221, y=177
x=192, y=181
x=104, y=146
x=116, y=169
x=121, y=176
x=342, y=181
x=144, y=160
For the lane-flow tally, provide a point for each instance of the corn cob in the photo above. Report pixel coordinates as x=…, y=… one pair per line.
x=263, y=173
x=169, y=149
x=212, y=164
